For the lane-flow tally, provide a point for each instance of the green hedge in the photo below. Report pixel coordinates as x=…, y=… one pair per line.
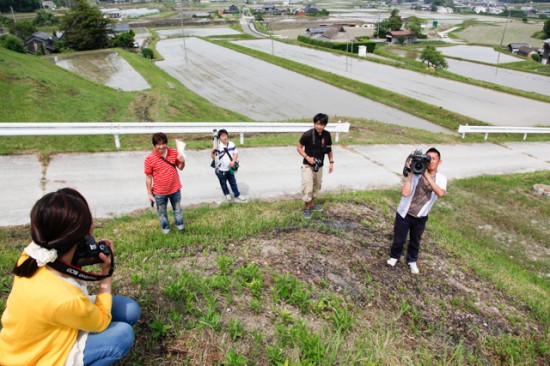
x=342, y=46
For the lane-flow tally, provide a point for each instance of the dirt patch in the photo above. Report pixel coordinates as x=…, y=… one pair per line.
x=343, y=251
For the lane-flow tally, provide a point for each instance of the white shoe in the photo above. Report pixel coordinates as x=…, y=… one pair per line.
x=240, y=199
x=228, y=197
x=414, y=268
x=392, y=261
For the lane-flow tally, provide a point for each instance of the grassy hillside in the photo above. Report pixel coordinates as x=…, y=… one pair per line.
x=36, y=90
x=260, y=284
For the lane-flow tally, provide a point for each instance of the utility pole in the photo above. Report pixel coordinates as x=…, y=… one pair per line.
x=502, y=39
x=182, y=32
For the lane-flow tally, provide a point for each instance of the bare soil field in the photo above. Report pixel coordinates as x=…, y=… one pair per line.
x=516, y=32
x=344, y=251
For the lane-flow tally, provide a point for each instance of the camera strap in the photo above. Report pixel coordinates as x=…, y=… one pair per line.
x=79, y=273
x=163, y=158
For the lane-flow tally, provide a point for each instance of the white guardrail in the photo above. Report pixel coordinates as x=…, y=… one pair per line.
x=136, y=128
x=498, y=129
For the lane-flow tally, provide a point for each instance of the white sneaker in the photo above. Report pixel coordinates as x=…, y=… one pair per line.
x=240, y=199
x=392, y=261
x=228, y=197
x=414, y=268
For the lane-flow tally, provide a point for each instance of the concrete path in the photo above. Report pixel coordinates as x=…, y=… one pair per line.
x=114, y=183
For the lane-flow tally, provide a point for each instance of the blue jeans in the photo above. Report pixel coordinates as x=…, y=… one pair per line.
x=115, y=342
x=162, y=205
x=224, y=177
x=414, y=226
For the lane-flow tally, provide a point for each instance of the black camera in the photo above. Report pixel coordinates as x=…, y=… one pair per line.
x=87, y=252
x=417, y=163
x=317, y=165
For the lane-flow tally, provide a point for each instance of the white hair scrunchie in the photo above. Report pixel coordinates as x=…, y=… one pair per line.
x=41, y=255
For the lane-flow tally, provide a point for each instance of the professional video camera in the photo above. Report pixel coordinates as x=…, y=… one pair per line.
x=417, y=162
x=317, y=165
x=87, y=252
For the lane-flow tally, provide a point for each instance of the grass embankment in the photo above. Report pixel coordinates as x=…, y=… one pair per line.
x=261, y=285
x=36, y=90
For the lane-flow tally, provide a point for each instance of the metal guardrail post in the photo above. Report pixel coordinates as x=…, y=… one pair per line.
x=241, y=140
x=114, y=128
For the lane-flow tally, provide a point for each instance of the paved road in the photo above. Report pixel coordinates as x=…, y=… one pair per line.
x=114, y=183
x=496, y=108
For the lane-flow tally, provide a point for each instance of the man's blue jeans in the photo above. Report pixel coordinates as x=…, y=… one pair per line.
x=162, y=206
x=104, y=348
x=224, y=177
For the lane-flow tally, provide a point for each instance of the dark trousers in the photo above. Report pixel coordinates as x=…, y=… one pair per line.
x=415, y=227
x=225, y=177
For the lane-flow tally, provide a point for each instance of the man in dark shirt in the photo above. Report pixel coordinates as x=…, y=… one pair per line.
x=313, y=146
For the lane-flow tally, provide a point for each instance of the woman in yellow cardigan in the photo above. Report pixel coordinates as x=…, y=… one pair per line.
x=49, y=318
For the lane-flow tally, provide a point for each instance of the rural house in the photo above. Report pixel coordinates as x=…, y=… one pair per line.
x=514, y=47
x=401, y=37
x=334, y=33
x=526, y=51
x=41, y=43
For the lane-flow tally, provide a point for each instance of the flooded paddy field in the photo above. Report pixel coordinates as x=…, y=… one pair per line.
x=486, y=105
x=104, y=67
x=510, y=78
x=478, y=53
x=196, y=32
x=266, y=92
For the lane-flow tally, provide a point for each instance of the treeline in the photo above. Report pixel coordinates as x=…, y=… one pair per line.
x=24, y=6
x=352, y=47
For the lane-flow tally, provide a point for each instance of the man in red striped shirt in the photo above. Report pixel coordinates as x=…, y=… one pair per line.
x=163, y=182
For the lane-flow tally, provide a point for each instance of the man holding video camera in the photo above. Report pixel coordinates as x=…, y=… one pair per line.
x=313, y=146
x=419, y=192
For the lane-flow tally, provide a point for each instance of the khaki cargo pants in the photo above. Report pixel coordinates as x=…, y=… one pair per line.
x=311, y=182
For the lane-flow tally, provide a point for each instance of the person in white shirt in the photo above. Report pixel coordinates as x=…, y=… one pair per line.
x=419, y=193
x=227, y=165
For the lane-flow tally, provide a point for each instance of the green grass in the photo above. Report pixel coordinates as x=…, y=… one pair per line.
x=262, y=285
x=36, y=90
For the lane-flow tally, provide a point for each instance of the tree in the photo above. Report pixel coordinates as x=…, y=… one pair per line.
x=12, y=42
x=44, y=17
x=433, y=57
x=394, y=21
x=23, y=29
x=85, y=27
x=414, y=24
x=5, y=21
x=147, y=53
x=124, y=40
x=546, y=28
x=19, y=5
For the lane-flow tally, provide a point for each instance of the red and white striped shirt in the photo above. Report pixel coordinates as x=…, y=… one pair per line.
x=165, y=176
